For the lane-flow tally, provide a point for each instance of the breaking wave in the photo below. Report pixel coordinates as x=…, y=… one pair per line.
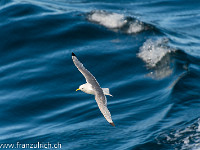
x=152, y=52
x=118, y=22
x=156, y=55
x=185, y=139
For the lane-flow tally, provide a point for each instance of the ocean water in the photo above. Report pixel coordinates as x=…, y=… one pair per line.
x=146, y=51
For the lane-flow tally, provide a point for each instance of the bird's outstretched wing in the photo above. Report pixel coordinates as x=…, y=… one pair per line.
x=88, y=76
x=99, y=95
x=103, y=108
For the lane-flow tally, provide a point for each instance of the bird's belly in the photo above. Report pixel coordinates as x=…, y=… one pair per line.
x=90, y=91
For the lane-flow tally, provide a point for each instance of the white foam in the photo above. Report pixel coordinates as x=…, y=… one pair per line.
x=187, y=138
x=198, y=129
x=116, y=21
x=152, y=52
x=109, y=20
x=155, y=53
x=135, y=27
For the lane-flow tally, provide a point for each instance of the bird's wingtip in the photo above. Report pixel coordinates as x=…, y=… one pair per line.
x=112, y=124
x=73, y=54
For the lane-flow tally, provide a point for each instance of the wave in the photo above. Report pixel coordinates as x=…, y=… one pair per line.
x=156, y=55
x=5, y=2
x=184, y=139
x=152, y=52
x=117, y=22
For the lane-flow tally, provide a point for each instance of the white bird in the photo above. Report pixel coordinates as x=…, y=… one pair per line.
x=92, y=87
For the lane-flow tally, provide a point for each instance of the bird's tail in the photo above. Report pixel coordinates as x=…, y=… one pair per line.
x=106, y=91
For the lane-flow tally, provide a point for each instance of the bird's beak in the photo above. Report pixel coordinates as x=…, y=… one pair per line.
x=77, y=89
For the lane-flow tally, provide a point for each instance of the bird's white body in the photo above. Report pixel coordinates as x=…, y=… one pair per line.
x=87, y=88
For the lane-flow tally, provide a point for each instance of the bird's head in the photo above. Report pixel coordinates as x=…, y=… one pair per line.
x=82, y=88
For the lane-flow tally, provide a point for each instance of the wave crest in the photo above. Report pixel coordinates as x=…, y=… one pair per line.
x=184, y=139
x=156, y=55
x=119, y=22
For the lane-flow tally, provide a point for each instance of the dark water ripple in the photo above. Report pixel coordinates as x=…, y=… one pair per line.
x=149, y=59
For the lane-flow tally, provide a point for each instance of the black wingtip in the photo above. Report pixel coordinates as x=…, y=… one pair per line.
x=73, y=54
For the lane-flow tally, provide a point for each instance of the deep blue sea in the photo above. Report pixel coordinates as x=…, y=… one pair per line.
x=146, y=51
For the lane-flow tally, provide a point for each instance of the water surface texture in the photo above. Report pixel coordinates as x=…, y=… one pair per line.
x=146, y=51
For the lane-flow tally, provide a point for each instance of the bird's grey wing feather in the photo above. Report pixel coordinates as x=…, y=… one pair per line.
x=88, y=76
x=103, y=108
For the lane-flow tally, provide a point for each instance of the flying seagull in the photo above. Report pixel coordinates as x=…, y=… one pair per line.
x=92, y=87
